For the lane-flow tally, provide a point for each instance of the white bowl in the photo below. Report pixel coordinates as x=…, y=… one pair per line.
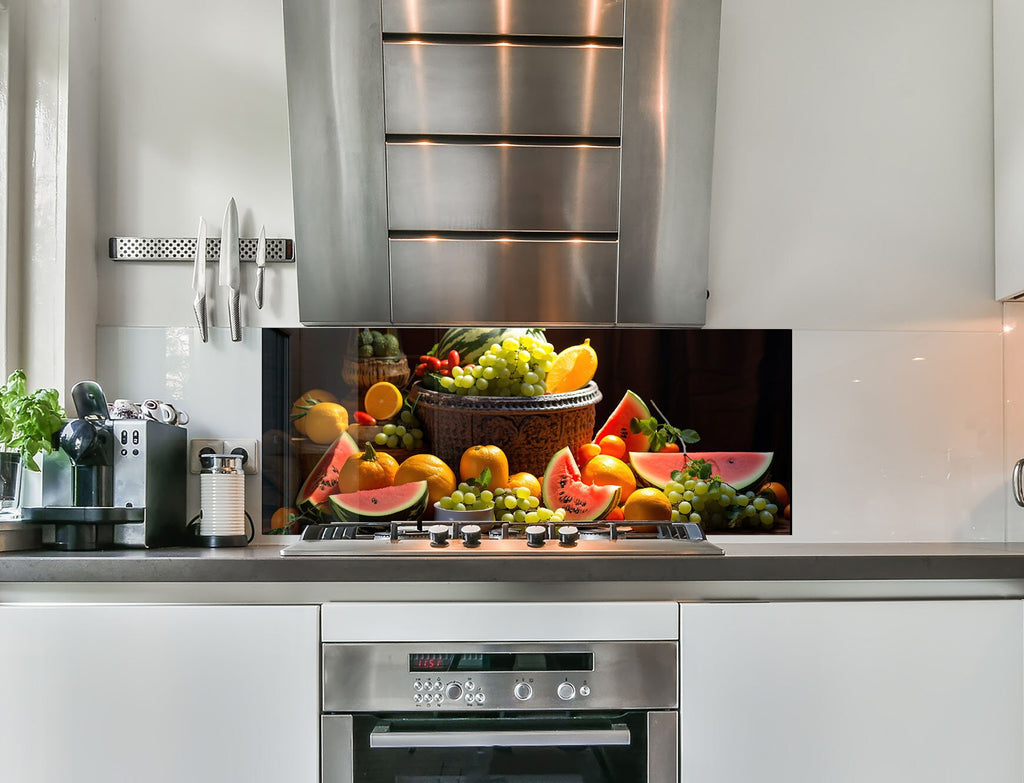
x=469, y=515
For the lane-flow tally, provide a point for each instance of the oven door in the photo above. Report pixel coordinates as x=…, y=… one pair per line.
x=629, y=747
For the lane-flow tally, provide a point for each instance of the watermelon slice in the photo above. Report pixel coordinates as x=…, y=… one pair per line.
x=562, y=488
x=630, y=407
x=322, y=480
x=738, y=468
x=387, y=504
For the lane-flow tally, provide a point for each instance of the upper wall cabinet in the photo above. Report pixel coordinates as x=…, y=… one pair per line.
x=523, y=162
x=1008, y=127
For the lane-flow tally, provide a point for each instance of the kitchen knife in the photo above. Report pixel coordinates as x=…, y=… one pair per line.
x=199, y=282
x=229, y=275
x=261, y=262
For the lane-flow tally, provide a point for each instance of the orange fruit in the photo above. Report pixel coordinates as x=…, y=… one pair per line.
x=528, y=480
x=325, y=422
x=615, y=515
x=647, y=505
x=787, y=511
x=383, y=400
x=613, y=446
x=637, y=441
x=587, y=452
x=306, y=401
x=283, y=518
x=778, y=491
x=670, y=448
x=572, y=369
x=476, y=458
x=440, y=478
x=606, y=470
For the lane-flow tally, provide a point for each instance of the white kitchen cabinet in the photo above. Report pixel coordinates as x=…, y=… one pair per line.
x=850, y=692
x=159, y=693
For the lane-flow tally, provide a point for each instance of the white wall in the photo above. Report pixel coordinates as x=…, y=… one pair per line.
x=852, y=203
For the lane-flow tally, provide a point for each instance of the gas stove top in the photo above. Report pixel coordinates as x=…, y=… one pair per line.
x=467, y=540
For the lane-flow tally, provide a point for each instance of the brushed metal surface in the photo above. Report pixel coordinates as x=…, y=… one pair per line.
x=502, y=187
x=336, y=749
x=336, y=129
x=376, y=677
x=559, y=281
x=615, y=734
x=670, y=81
x=502, y=89
x=592, y=18
x=662, y=747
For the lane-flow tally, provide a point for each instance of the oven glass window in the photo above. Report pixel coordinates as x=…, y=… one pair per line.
x=468, y=750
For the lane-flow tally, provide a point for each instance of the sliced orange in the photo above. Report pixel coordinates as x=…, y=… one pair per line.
x=606, y=470
x=572, y=369
x=383, y=400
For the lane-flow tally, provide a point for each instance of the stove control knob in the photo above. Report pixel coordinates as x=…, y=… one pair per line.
x=438, y=535
x=471, y=535
x=566, y=691
x=523, y=691
x=453, y=691
x=536, y=535
x=568, y=535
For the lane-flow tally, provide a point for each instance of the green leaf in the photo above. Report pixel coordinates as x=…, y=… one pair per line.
x=485, y=478
x=705, y=470
x=28, y=421
x=678, y=476
x=689, y=436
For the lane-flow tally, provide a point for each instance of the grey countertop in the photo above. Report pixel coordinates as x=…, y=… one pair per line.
x=742, y=563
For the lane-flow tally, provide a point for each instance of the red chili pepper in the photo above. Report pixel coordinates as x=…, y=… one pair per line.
x=362, y=417
x=446, y=370
x=421, y=369
x=431, y=361
x=453, y=358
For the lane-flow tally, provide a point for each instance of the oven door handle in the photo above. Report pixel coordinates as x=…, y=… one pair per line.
x=615, y=734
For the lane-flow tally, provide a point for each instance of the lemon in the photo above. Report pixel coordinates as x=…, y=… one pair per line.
x=572, y=369
x=325, y=422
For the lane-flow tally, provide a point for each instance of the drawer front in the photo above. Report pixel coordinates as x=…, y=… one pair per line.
x=502, y=187
x=502, y=89
x=503, y=281
x=592, y=18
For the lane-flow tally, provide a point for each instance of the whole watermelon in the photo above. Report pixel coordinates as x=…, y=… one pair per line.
x=473, y=341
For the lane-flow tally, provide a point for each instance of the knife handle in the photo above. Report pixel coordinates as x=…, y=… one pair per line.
x=235, y=317
x=199, y=305
x=258, y=293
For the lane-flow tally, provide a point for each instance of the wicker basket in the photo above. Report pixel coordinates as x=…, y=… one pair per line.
x=362, y=373
x=528, y=429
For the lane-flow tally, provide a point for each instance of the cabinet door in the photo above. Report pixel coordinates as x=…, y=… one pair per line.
x=159, y=693
x=852, y=692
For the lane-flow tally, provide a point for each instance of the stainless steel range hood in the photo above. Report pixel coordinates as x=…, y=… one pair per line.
x=502, y=161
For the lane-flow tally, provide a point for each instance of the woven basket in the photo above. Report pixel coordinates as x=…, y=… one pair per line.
x=528, y=429
x=362, y=373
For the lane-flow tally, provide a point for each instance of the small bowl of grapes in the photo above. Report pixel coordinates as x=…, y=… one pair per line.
x=485, y=513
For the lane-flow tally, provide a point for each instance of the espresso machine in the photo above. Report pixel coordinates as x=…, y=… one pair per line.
x=112, y=483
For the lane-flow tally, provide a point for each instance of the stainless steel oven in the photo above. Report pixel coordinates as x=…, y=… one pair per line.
x=518, y=712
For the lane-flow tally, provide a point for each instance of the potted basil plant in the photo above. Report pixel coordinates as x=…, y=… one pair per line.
x=28, y=423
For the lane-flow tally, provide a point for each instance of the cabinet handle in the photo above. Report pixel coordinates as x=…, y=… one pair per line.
x=1018, y=488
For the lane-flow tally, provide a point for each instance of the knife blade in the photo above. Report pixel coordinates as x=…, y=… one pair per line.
x=261, y=262
x=199, y=282
x=229, y=275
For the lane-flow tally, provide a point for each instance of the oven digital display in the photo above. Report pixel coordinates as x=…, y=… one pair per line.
x=502, y=662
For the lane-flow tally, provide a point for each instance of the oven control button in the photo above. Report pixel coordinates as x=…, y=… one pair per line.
x=417, y=686
x=568, y=535
x=453, y=691
x=471, y=535
x=438, y=698
x=535, y=535
x=566, y=691
x=470, y=685
x=417, y=699
x=438, y=535
x=584, y=690
x=523, y=691
x=469, y=698
x=479, y=698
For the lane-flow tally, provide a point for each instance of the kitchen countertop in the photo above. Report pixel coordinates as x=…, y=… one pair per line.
x=748, y=571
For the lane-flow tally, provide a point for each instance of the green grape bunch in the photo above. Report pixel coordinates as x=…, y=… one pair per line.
x=700, y=497
x=519, y=507
x=512, y=368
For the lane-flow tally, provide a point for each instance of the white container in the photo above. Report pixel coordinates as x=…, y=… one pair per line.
x=222, y=500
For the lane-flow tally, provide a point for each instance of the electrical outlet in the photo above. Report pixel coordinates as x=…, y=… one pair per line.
x=249, y=448
x=198, y=446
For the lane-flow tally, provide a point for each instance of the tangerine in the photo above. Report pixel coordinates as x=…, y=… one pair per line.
x=587, y=452
x=283, y=518
x=776, y=490
x=524, y=479
x=615, y=515
x=325, y=422
x=647, y=505
x=613, y=446
x=440, y=478
x=606, y=470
